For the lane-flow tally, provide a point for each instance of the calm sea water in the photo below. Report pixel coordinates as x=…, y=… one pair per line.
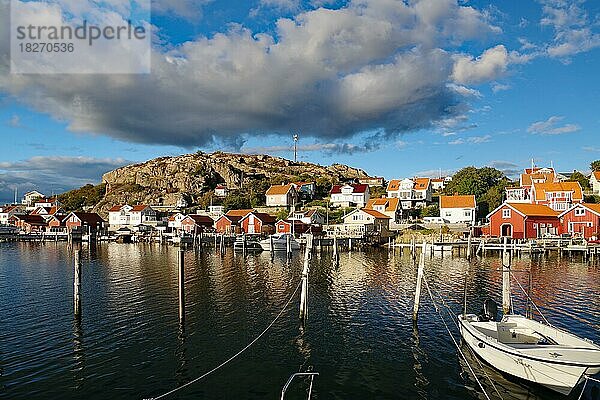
x=129, y=343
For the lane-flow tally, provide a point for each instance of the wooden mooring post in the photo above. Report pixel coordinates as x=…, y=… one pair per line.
x=506, y=260
x=77, y=284
x=272, y=248
x=469, y=246
x=420, y=272
x=181, y=284
x=288, y=246
x=336, y=257
x=305, y=271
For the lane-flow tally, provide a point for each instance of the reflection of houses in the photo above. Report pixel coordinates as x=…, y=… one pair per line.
x=256, y=222
x=582, y=220
x=523, y=221
x=595, y=182
x=83, y=222
x=413, y=193
x=221, y=191
x=350, y=195
x=281, y=196
x=363, y=221
x=308, y=217
x=458, y=209
x=194, y=223
x=126, y=216
x=387, y=206
x=230, y=222
x=305, y=190
x=28, y=223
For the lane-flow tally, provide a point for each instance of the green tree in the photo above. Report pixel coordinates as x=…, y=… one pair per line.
x=430, y=211
x=236, y=201
x=282, y=214
x=595, y=165
x=86, y=196
x=577, y=176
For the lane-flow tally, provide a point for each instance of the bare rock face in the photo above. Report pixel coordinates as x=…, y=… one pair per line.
x=165, y=180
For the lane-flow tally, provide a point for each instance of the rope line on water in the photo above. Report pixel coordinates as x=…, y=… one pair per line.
x=455, y=343
x=454, y=320
x=235, y=355
x=530, y=299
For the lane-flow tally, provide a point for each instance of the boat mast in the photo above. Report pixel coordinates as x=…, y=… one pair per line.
x=506, y=278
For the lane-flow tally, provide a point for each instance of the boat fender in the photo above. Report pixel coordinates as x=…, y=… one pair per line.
x=481, y=345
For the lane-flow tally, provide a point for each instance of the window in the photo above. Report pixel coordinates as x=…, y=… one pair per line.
x=506, y=213
x=580, y=212
x=467, y=213
x=448, y=213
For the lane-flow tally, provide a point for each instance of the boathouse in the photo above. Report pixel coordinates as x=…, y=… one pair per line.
x=195, y=223
x=582, y=220
x=230, y=222
x=256, y=222
x=84, y=222
x=523, y=221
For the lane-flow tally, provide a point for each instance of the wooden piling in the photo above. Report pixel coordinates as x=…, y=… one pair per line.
x=420, y=272
x=181, y=284
x=272, y=248
x=469, y=244
x=506, y=278
x=336, y=258
x=305, y=271
x=77, y=283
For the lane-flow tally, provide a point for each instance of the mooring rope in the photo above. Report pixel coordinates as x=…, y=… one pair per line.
x=235, y=355
x=456, y=344
x=454, y=320
x=530, y=299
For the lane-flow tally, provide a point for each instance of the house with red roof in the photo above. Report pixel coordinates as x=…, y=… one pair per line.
x=308, y=217
x=595, y=182
x=8, y=211
x=297, y=227
x=229, y=222
x=559, y=196
x=28, y=223
x=84, y=222
x=582, y=220
x=350, y=195
x=413, y=193
x=364, y=221
x=221, y=190
x=523, y=221
x=257, y=223
x=195, y=223
x=389, y=206
x=458, y=209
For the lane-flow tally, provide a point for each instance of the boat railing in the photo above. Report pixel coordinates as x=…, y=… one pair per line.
x=296, y=375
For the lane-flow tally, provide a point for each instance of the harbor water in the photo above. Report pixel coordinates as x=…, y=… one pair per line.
x=359, y=337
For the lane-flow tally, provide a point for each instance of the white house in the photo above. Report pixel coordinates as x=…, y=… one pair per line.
x=305, y=190
x=595, y=182
x=29, y=198
x=308, y=217
x=126, y=216
x=458, y=209
x=8, y=211
x=413, y=193
x=350, y=195
x=221, y=191
x=282, y=196
x=387, y=206
x=361, y=221
x=174, y=221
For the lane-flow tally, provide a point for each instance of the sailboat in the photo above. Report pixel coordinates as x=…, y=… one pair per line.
x=522, y=347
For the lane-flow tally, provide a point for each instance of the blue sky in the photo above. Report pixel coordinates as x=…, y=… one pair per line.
x=396, y=89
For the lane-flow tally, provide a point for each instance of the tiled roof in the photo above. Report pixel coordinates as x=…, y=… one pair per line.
x=542, y=188
x=115, y=208
x=264, y=217
x=89, y=218
x=31, y=219
x=238, y=213
x=201, y=219
x=466, y=201
x=527, y=179
x=139, y=207
x=391, y=203
x=593, y=207
x=422, y=183
x=357, y=188
x=394, y=185
x=533, y=210
x=279, y=189
x=376, y=214
x=597, y=175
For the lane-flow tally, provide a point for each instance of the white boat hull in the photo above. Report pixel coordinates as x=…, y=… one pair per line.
x=558, y=375
x=279, y=244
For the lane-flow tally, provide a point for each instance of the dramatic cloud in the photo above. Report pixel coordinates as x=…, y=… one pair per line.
x=550, y=127
x=328, y=73
x=328, y=148
x=52, y=174
x=490, y=65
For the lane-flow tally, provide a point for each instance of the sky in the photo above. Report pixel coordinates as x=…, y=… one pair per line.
x=397, y=88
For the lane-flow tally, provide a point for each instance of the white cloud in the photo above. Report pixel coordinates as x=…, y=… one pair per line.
x=499, y=87
x=490, y=65
x=328, y=73
x=15, y=122
x=471, y=140
x=550, y=127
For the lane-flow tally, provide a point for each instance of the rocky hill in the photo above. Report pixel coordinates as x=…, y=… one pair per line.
x=167, y=180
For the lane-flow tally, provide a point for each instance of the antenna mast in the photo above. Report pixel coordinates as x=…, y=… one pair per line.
x=295, y=147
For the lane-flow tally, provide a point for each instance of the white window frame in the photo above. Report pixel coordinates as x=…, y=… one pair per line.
x=506, y=213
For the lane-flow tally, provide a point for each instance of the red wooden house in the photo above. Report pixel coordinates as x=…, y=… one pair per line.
x=197, y=223
x=28, y=223
x=285, y=226
x=84, y=222
x=256, y=222
x=582, y=220
x=523, y=221
x=230, y=222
